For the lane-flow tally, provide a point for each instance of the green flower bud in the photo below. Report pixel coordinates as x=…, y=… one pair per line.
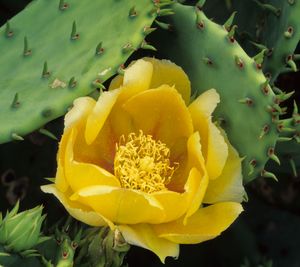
x=21, y=231
x=107, y=248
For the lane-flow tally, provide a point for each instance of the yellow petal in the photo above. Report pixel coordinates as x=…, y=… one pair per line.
x=80, y=174
x=137, y=78
x=174, y=204
x=82, y=107
x=101, y=152
x=99, y=114
x=196, y=186
x=143, y=236
x=121, y=205
x=75, y=118
x=214, y=147
x=205, y=224
x=116, y=82
x=138, y=75
x=77, y=210
x=166, y=72
x=120, y=121
x=217, y=152
x=60, y=179
x=194, y=158
x=228, y=186
x=162, y=113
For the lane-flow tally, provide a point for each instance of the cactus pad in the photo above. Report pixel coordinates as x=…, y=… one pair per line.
x=212, y=58
x=55, y=51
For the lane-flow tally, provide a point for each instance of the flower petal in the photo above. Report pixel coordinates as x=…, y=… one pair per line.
x=166, y=72
x=205, y=224
x=120, y=121
x=82, y=107
x=138, y=75
x=174, y=204
x=142, y=235
x=214, y=147
x=76, y=118
x=228, y=186
x=116, y=82
x=217, y=152
x=77, y=210
x=198, y=179
x=60, y=179
x=162, y=113
x=196, y=186
x=194, y=158
x=136, y=79
x=120, y=205
x=99, y=114
x=80, y=174
x=101, y=152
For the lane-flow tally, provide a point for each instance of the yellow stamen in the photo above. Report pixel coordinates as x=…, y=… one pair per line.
x=142, y=163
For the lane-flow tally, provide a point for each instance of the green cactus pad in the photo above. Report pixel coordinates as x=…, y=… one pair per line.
x=213, y=59
x=290, y=128
x=273, y=24
x=281, y=34
x=289, y=154
x=55, y=51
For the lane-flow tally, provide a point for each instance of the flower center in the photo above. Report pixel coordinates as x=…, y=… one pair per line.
x=142, y=163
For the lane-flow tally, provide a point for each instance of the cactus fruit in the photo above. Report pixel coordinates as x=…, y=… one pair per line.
x=211, y=56
x=68, y=50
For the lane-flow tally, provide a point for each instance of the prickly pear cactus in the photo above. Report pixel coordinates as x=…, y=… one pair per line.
x=284, y=39
x=68, y=50
x=211, y=56
x=271, y=25
x=54, y=51
x=63, y=243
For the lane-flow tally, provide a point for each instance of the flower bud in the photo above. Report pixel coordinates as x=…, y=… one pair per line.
x=21, y=231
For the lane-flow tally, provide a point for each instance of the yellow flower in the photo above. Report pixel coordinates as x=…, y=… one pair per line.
x=144, y=160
